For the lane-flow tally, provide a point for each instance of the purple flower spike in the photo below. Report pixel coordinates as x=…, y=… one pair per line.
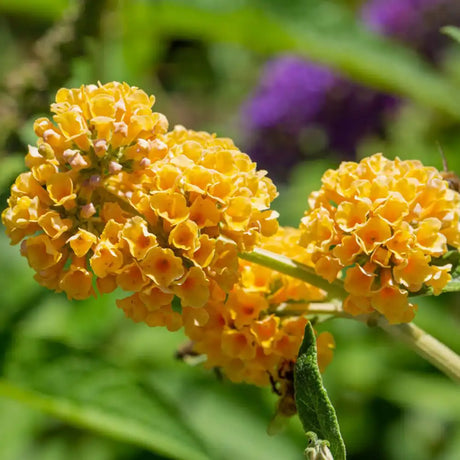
x=300, y=109
x=290, y=92
x=416, y=23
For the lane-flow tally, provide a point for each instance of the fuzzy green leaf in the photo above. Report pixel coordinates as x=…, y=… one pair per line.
x=315, y=409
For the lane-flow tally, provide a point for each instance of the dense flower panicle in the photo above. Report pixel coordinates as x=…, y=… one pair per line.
x=112, y=197
x=255, y=332
x=382, y=225
x=201, y=190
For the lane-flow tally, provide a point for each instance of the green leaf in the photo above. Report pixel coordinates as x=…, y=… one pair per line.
x=48, y=10
x=182, y=412
x=92, y=394
x=324, y=32
x=231, y=418
x=453, y=285
x=452, y=31
x=452, y=257
x=16, y=435
x=315, y=409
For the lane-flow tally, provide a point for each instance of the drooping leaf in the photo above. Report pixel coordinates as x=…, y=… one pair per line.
x=315, y=409
x=44, y=9
x=232, y=418
x=179, y=412
x=90, y=393
x=324, y=32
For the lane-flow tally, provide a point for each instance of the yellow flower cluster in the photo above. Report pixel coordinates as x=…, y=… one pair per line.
x=254, y=334
x=111, y=195
x=382, y=224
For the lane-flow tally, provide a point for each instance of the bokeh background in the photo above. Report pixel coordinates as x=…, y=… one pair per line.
x=300, y=86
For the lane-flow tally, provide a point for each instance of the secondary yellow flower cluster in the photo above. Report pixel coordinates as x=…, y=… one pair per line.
x=384, y=222
x=112, y=195
x=255, y=333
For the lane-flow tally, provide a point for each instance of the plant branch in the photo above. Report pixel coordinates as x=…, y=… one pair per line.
x=328, y=309
x=425, y=345
x=295, y=269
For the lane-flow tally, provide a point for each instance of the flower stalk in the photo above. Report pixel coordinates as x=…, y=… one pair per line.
x=295, y=269
x=425, y=345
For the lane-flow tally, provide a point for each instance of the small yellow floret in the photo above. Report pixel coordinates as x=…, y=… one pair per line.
x=193, y=289
x=162, y=266
x=255, y=332
x=77, y=282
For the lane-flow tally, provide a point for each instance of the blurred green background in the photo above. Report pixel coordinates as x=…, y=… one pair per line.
x=78, y=380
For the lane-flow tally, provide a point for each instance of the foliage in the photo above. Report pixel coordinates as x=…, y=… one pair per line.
x=109, y=389
x=315, y=409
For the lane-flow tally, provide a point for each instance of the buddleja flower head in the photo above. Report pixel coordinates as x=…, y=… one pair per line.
x=112, y=195
x=300, y=109
x=254, y=333
x=387, y=223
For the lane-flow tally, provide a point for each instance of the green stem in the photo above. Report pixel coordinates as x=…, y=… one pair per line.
x=328, y=309
x=295, y=269
x=425, y=345
x=306, y=308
